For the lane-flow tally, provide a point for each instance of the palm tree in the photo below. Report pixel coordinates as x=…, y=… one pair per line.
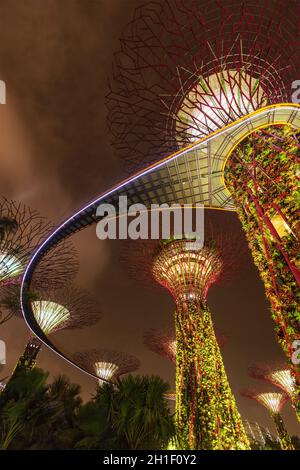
x=12, y=422
x=59, y=432
x=23, y=406
x=129, y=415
x=137, y=411
x=68, y=394
x=94, y=430
x=34, y=415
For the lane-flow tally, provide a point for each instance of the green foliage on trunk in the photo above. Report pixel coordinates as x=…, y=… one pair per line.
x=206, y=413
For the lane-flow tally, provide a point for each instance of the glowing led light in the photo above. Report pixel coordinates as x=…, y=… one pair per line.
x=273, y=401
x=10, y=266
x=173, y=347
x=280, y=225
x=278, y=375
x=186, y=273
x=218, y=100
x=170, y=396
x=105, y=370
x=284, y=379
x=49, y=315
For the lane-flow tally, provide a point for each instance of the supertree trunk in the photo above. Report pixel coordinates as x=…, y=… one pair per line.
x=206, y=414
x=284, y=437
x=27, y=361
x=262, y=175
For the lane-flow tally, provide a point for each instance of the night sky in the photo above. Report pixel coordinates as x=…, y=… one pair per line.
x=55, y=153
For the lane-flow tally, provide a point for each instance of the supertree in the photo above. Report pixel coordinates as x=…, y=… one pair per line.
x=106, y=364
x=163, y=342
x=206, y=412
x=54, y=310
x=273, y=402
x=262, y=176
x=189, y=68
x=277, y=374
x=21, y=231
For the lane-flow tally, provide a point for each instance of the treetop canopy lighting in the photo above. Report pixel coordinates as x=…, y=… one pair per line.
x=185, y=69
x=50, y=315
x=272, y=400
x=186, y=272
x=10, y=266
x=106, y=364
x=53, y=310
x=179, y=262
x=219, y=99
x=21, y=232
x=278, y=374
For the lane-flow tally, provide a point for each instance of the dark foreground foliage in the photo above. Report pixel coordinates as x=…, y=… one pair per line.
x=131, y=414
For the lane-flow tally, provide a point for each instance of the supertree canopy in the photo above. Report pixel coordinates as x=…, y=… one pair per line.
x=206, y=412
x=163, y=342
x=196, y=69
x=69, y=308
x=278, y=374
x=187, y=68
x=186, y=272
x=50, y=315
x=21, y=232
x=273, y=402
x=106, y=364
